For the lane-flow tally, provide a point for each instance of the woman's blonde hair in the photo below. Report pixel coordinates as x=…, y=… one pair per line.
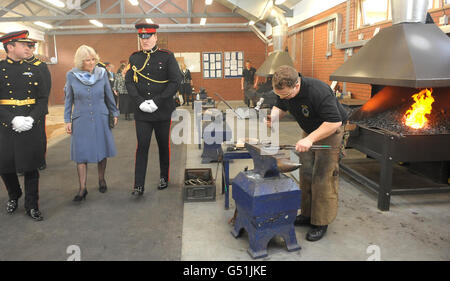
x=82, y=53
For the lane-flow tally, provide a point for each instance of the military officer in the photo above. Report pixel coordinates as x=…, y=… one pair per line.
x=45, y=73
x=152, y=81
x=23, y=104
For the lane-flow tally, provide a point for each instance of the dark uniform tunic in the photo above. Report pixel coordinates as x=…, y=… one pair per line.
x=21, y=152
x=47, y=80
x=155, y=75
x=319, y=173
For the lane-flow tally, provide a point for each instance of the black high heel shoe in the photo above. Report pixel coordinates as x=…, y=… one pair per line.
x=102, y=186
x=79, y=197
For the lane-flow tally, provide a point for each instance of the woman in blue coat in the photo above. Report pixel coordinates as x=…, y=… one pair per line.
x=88, y=90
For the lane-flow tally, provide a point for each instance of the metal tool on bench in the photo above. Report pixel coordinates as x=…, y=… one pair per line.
x=227, y=104
x=266, y=201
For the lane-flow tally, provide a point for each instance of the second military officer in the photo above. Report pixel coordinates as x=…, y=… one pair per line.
x=152, y=81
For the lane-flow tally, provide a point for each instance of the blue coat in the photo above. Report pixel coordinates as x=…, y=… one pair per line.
x=92, y=139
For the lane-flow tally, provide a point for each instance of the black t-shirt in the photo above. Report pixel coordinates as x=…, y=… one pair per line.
x=315, y=104
x=249, y=75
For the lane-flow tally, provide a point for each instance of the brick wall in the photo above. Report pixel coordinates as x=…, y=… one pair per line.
x=313, y=62
x=116, y=47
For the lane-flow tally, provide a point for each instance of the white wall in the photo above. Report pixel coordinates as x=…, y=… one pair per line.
x=306, y=9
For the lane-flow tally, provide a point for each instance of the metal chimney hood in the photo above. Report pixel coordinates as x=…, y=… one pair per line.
x=407, y=54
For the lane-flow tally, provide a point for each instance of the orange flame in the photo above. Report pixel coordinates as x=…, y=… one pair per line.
x=415, y=116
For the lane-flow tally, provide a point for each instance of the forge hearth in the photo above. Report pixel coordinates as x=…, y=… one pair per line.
x=381, y=134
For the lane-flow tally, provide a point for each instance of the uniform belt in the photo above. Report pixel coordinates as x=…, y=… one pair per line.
x=17, y=102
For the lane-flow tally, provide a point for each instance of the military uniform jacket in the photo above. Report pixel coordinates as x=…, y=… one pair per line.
x=159, y=79
x=45, y=73
x=21, y=151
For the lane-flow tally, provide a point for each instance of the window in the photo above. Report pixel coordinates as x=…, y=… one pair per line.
x=372, y=11
x=433, y=4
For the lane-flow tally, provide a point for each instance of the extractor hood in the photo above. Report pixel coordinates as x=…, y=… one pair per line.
x=410, y=53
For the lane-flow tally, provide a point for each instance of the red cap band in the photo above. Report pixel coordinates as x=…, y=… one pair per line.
x=146, y=30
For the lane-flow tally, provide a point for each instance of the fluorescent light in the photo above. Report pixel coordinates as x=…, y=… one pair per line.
x=279, y=2
x=43, y=24
x=149, y=20
x=96, y=23
x=134, y=2
x=56, y=3
x=251, y=22
x=203, y=21
x=208, y=2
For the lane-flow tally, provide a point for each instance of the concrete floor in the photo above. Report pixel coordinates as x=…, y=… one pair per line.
x=161, y=227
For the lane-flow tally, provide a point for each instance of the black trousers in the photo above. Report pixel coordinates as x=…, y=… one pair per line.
x=44, y=135
x=144, y=130
x=31, y=188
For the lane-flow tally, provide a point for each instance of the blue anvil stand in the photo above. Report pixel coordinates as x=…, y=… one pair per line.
x=267, y=203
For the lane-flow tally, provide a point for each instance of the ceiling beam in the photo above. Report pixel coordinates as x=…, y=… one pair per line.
x=11, y=6
x=157, y=8
x=175, y=30
x=82, y=7
x=117, y=16
x=189, y=10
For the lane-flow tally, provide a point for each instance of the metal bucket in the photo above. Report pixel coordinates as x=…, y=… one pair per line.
x=409, y=11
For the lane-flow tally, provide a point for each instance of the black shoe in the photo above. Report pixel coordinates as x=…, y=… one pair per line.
x=79, y=197
x=316, y=233
x=102, y=186
x=35, y=214
x=302, y=220
x=11, y=206
x=138, y=191
x=162, y=184
x=43, y=167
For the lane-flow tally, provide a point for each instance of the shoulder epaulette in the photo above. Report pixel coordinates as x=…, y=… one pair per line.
x=166, y=51
x=38, y=62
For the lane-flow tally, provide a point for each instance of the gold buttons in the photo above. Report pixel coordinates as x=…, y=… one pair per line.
x=7, y=84
x=10, y=92
x=35, y=83
x=6, y=76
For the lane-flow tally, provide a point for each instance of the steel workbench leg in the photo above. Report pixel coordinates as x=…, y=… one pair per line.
x=386, y=171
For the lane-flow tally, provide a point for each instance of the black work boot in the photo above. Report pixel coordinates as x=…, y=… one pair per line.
x=316, y=233
x=138, y=191
x=162, y=184
x=302, y=220
x=35, y=214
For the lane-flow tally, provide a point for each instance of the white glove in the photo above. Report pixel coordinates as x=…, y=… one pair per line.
x=152, y=104
x=145, y=107
x=22, y=124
